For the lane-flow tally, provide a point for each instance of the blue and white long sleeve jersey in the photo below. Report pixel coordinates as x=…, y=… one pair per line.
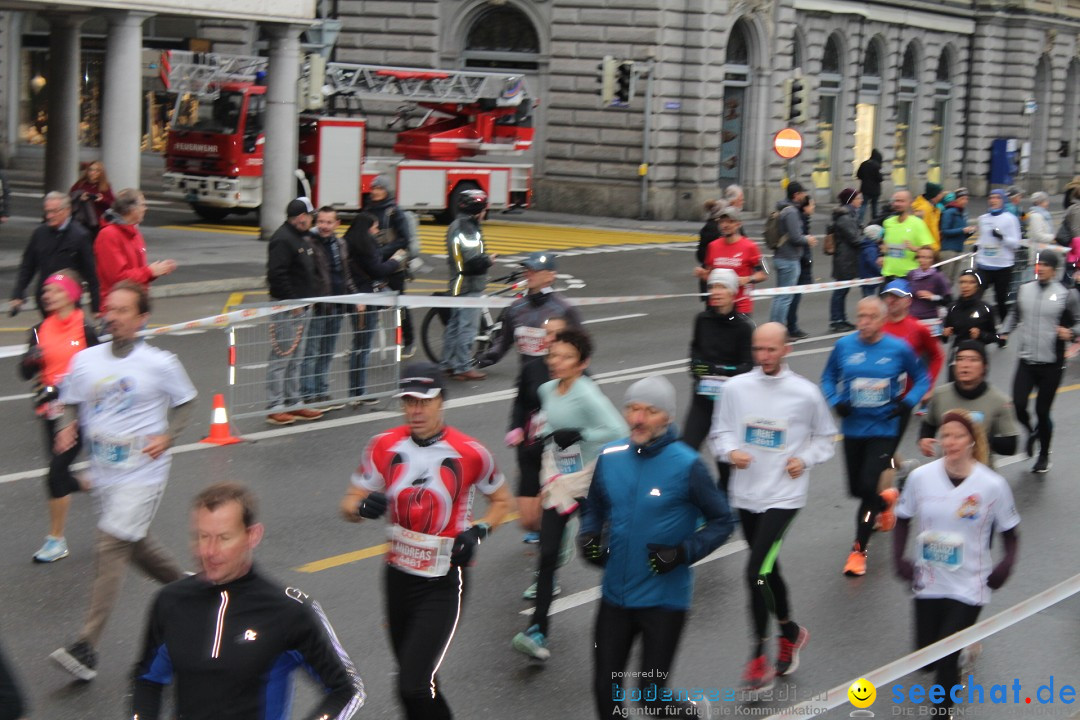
x=773, y=418
x=871, y=377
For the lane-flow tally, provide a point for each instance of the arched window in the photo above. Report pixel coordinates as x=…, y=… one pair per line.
x=502, y=36
x=907, y=113
x=736, y=89
x=830, y=84
x=830, y=61
x=936, y=169
x=871, y=66
x=738, y=47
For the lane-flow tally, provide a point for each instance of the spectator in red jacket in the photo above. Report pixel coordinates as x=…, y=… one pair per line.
x=120, y=250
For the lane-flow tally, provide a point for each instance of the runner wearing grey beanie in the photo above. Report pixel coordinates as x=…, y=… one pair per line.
x=654, y=390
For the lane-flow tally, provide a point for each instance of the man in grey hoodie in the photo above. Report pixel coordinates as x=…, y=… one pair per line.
x=787, y=259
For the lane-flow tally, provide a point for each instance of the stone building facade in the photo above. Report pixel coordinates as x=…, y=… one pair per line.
x=930, y=84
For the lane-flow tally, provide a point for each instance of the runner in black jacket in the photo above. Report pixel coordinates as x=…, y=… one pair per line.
x=720, y=348
x=232, y=638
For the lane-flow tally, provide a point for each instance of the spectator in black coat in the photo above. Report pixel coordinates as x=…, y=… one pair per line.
x=869, y=173
x=847, y=241
x=371, y=273
x=55, y=244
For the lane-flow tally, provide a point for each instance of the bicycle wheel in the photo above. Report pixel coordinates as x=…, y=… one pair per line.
x=432, y=330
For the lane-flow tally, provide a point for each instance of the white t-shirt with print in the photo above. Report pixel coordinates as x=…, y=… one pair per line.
x=123, y=401
x=952, y=540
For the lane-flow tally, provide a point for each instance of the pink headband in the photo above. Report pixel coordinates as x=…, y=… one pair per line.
x=68, y=284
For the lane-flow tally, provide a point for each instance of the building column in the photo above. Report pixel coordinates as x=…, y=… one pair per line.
x=121, y=108
x=62, y=141
x=281, y=126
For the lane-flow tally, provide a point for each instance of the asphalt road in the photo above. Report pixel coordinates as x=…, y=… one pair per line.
x=856, y=625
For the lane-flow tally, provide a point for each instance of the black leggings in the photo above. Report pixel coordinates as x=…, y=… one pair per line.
x=938, y=618
x=866, y=459
x=1001, y=280
x=696, y=429
x=764, y=533
x=616, y=630
x=552, y=526
x=422, y=614
x=530, y=457
x=60, y=482
x=1046, y=377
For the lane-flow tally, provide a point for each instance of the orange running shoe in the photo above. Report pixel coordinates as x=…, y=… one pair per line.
x=856, y=562
x=886, y=519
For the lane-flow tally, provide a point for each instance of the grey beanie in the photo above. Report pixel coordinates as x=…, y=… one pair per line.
x=381, y=181
x=654, y=390
x=724, y=276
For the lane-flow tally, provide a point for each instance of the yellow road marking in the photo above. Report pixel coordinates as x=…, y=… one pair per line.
x=358, y=555
x=234, y=299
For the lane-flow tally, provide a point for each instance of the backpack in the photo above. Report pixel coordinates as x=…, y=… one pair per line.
x=774, y=234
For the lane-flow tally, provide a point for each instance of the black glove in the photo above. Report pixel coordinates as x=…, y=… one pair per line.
x=665, y=558
x=593, y=550
x=843, y=408
x=565, y=438
x=486, y=360
x=700, y=367
x=998, y=234
x=896, y=410
x=999, y=575
x=466, y=542
x=373, y=506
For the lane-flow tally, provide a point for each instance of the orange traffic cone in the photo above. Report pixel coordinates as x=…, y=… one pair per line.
x=219, y=425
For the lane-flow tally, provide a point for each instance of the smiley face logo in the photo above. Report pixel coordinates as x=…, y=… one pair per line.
x=861, y=693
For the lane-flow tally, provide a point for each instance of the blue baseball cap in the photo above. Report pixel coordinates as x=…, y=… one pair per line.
x=900, y=288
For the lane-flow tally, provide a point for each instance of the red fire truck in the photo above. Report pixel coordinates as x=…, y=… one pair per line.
x=214, y=154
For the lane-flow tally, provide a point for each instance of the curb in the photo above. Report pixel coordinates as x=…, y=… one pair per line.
x=202, y=287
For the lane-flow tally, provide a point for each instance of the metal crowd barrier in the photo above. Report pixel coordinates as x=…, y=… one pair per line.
x=312, y=357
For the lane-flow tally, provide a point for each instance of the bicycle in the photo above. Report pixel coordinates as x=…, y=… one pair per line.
x=433, y=327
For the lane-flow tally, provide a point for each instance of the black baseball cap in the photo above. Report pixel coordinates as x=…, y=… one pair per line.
x=299, y=206
x=539, y=261
x=422, y=380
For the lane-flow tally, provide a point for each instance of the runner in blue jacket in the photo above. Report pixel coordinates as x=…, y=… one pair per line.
x=863, y=381
x=647, y=494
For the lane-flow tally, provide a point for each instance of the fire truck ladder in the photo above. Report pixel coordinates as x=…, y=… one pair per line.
x=416, y=85
x=202, y=74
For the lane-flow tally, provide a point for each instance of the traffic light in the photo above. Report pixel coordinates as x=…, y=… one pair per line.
x=798, y=103
x=624, y=82
x=607, y=79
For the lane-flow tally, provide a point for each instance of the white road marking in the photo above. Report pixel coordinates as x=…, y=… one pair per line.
x=24, y=396
x=587, y=596
x=616, y=317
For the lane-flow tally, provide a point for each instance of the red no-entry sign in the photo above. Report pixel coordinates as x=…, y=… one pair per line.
x=787, y=143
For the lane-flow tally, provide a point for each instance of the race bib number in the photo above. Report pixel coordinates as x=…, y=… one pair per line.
x=766, y=434
x=419, y=554
x=990, y=252
x=530, y=341
x=896, y=251
x=117, y=452
x=942, y=549
x=978, y=416
x=711, y=386
x=869, y=392
x=934, y=328
x=568, y=460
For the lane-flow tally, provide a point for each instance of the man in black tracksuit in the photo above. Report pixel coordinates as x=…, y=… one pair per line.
x=230, y=638
x=720, y=348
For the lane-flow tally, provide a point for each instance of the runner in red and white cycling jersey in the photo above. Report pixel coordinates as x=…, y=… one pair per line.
x=426, y=474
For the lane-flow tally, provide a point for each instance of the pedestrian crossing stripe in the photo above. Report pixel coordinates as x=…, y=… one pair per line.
x=502, y=237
